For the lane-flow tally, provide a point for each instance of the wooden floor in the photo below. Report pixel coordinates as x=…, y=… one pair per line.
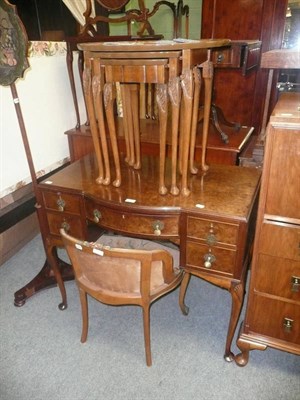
x=218, y=152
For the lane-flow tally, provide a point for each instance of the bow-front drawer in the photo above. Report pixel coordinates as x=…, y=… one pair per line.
x=160, y=225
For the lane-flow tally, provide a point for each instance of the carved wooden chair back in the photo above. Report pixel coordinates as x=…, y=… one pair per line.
x=119, y=276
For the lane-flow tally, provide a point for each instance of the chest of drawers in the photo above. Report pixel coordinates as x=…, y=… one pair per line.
x=273, y=310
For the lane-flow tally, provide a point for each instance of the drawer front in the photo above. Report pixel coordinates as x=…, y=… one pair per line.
x=283, y=195
x=275, y=318
x=280, y=240
x=137, y=73
x=133, y=223
x=252, y=57
x=212, y=232
x=229, y=57
x=63, y=202
x=70, y=223
x=278, y=276
x=213, y=259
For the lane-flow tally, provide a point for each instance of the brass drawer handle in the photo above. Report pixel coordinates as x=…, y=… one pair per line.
x=295, y=284
x=61, y=204
x=97, y=215
x=209, y=259
x=211, y=239
x=220, y=57
x=288, y=325
x=65, y=226
x=158, y=226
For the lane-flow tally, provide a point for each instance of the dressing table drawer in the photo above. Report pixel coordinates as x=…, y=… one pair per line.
x=133, y=223
x=210, y=259
x=63, y=202
x=72, y=224
x=212, y=232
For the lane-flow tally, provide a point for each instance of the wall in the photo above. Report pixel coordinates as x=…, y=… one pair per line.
x=47, y=105
x=47, y=108
x=162, y=20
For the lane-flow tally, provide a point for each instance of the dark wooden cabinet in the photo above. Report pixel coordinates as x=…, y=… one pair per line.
x=46, y=19
x=273, y=309
x=240, y=97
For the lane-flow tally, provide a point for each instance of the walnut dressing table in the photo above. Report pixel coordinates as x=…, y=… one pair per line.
x=213, y=226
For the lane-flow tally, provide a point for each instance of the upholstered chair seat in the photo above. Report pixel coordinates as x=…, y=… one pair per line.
x=120, y=270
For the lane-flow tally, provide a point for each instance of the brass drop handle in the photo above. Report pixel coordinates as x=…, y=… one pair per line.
x=158, y=226
x=288, y=325
x=295, y=284
x=61, y=204
x=209, y=259
x=97, y=215
x=211, y=239
x=65, y=226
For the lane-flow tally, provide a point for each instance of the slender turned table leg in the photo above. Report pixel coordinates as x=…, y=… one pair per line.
x=98, y=100
x=80, y=64
x=109, y=109
x=134, y=92
x=87, y=87
x=188, y=89
x=162, y=102
x=197, y=80
x=129, y=122
x=145, y=89
x=207, y=73
x=174, y=94
x=125, y=119
x=72, y=83
x=181, y=136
